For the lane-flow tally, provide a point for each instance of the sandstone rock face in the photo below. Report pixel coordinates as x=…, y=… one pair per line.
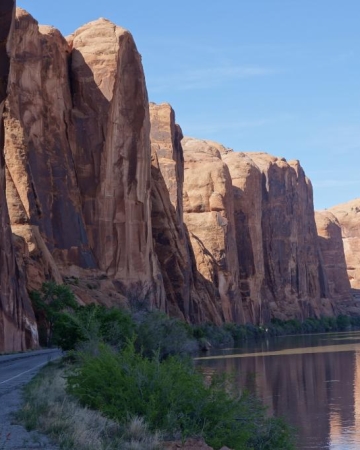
x=209, y=217
x=348, y=216
x=189, y=294
x=43, y=196
x=247, y=185
x=293, y=286
x=111, y=148
x=166, y=211
x=17, y=322
x=332, y=251
x=98, y=197
x=78, y=159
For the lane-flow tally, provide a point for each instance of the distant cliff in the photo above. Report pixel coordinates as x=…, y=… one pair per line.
x=103, y=193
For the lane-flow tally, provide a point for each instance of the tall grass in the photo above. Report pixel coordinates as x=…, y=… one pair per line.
x=49, y=409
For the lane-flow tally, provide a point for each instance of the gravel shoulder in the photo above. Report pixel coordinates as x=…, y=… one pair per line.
x=16, y=371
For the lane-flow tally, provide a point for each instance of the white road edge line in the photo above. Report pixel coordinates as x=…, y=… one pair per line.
x=22, y=373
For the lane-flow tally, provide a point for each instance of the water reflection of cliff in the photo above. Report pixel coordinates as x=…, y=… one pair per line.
x=317, y=393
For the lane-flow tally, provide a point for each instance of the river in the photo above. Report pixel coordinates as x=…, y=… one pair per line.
x=313, y=381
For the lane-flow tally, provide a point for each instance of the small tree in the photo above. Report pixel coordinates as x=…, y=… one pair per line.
x=50, y=304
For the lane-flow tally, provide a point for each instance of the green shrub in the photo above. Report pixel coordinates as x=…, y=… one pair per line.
x=156, y=333
x=172, y=397
x=215, y=335
x=343, y=322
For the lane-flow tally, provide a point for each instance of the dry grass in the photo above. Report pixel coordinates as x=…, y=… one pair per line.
x=50, y=410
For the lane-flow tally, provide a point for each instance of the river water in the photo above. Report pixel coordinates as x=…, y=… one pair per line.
x=313, y=381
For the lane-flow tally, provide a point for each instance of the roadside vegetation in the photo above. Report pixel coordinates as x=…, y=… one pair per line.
x=126, y=371
x=128, y=381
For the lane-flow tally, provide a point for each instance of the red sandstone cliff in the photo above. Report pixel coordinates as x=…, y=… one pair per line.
x=17, y=323
x=190, y=295
x=209, y=216
x=334, y=263
x=293, y=281
x=78, y=159
x=96, y=192
x=348, y=216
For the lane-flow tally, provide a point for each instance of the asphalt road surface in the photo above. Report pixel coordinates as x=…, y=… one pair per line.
x=16, y=371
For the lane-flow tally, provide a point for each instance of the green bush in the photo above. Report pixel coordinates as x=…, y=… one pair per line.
x=215, y=335
x=156, y=333
x=343, y=322
x=172, y=397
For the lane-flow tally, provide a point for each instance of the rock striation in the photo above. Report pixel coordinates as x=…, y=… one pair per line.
x=292, y=262
x=190, y=295
x=17, y=322
x=103, y=192
x=209, y=216
x=110, y=143
x=78, y=158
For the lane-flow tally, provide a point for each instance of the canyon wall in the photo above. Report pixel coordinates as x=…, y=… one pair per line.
x=209, y=216
x=334, y=262
x=269, y=239
x=17, y=322
x=348, y=217
x=194, y=291
x=78, y=160
x=103, y=192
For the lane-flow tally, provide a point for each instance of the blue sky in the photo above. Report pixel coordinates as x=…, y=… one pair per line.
x=280, y=76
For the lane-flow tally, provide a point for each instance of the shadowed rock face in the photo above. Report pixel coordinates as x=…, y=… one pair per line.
x=290, y=246
x=78, y=157
x=17, y=323
x=281, y=273
x=43, y=197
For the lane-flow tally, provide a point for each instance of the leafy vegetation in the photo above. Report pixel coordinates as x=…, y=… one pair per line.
x=131, y=367
x=134, y=366
x=172, y=397
x=49, y=409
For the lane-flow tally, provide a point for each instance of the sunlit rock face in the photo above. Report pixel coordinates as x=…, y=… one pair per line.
x=348, y=216
x=17, y=323
x=209, y=216
x=333, y=257
x=189, y=295
x=247, y=186
x=110, y=141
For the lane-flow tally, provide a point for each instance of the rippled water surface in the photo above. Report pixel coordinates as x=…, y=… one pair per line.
x=313, y=381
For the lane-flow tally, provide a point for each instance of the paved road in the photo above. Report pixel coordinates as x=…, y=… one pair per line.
x=16, y=371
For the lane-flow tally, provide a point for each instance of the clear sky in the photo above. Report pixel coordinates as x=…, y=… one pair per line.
x=281, y=76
